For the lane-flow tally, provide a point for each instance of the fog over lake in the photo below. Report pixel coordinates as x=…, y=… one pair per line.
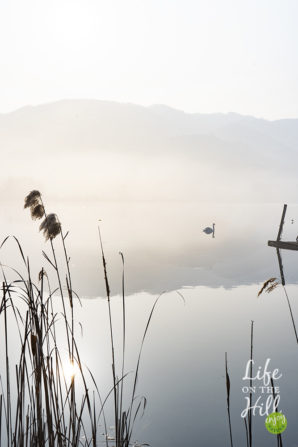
x=155, y=177
x=86, y=150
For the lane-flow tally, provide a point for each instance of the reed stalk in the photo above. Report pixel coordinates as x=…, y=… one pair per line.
x=228, y=388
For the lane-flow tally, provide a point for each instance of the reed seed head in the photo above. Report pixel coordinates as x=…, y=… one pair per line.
x=269, y=286
x=50, y=226
x=37, y=211
x=32, y=199
x=34, y=202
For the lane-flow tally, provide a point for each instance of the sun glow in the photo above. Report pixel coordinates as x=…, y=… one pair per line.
x=70, y=370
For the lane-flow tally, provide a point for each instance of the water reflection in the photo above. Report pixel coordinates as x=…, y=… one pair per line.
x=161, y=243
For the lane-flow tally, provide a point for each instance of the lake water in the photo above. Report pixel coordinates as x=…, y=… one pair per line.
x=182, y=370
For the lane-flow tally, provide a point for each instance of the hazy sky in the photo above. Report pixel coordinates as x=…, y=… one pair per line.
x=197, y=55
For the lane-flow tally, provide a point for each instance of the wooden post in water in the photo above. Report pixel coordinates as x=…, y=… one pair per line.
x=282, y=277
x=282, y=222
x=280, y=244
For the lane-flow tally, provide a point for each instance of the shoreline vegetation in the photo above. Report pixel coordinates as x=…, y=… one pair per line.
x=45, y=401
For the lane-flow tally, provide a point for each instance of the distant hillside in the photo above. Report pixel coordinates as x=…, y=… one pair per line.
x=115, y=151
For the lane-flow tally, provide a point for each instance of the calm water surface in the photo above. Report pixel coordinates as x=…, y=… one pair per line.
x=182, y=370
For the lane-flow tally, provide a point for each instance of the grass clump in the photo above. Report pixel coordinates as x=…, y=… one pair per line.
x=40, y=403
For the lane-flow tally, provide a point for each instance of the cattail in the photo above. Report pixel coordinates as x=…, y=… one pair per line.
x=51, y=226
x=41, y=274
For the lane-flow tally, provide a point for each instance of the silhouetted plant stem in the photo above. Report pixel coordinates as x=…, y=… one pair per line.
x=70, y=295
x=250, y=384
x=8, y=401
x=120, y=428
x=58, y=278
x=112, y=338
x=246, y=432
x=228, y=386
x=291, y=313
x=278, y=436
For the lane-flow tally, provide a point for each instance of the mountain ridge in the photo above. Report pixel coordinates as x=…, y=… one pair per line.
x=132, y=152
x=156, y=106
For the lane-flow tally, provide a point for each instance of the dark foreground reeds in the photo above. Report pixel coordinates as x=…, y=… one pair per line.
x=247, y=419
x=41, y=404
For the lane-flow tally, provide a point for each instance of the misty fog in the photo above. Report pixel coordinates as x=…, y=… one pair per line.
x=155, y=177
